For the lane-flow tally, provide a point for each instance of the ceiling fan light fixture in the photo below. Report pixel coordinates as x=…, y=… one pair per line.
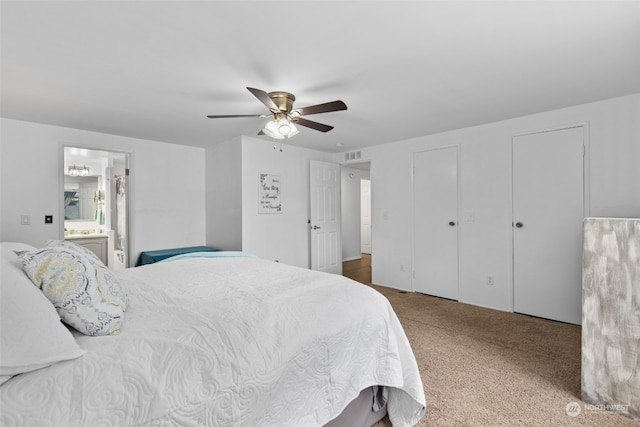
x=287, y=128
x=284, y=128
x=286, y=120
x=280, y=128
x=271, y=130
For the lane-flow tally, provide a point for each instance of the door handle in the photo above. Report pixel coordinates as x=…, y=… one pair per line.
x=519, y=224
x=315, y=227
x=452, y=223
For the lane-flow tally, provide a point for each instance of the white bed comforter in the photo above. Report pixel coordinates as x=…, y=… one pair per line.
x=227, y=342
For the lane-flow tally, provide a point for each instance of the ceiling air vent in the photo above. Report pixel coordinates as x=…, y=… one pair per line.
x=354, y=155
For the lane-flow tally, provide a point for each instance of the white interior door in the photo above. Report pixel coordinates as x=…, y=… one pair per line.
x=435, y=222
x=326, y=244
x=365, y=216
x=548, y=209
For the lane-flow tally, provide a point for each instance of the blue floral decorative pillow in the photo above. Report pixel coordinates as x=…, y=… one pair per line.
x=83, y=290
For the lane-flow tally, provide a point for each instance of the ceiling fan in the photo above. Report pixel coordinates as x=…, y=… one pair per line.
x=285, y=118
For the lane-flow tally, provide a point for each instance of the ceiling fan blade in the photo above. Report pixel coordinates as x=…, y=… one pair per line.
x=313, y=125
x=227, y=116
x=264, y=98
x=322, y=108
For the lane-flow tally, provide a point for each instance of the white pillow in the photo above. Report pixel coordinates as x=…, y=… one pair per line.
x=31, y=334
x=83, y=290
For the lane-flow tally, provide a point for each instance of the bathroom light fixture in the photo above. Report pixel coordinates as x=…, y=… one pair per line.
x=78, y=171
x=280, y=127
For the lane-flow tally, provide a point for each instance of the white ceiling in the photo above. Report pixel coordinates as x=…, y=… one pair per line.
x=155, y=69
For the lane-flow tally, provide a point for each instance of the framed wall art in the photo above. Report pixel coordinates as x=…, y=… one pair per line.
x=269, y=193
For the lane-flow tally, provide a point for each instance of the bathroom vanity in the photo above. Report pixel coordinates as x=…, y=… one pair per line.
x=95, y=242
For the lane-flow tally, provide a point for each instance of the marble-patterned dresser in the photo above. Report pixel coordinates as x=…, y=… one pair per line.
x=611, y=315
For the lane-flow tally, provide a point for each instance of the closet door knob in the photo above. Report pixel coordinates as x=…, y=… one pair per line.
x=519, y=224
x=452, y=223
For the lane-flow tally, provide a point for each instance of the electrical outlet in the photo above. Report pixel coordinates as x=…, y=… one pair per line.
x=48, y=219
x=490, y=280
x=401, y=267
x=25, y=219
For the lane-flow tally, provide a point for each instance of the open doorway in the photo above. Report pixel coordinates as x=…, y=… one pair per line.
x=96, y=203
x=357, y=245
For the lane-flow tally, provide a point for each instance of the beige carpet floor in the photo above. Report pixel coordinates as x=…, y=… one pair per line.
x=482, y=367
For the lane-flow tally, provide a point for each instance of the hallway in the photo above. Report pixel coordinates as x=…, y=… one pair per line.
x=358, y=269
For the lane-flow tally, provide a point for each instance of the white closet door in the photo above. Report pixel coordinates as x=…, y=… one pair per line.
x=435, y=222
x=548, y=209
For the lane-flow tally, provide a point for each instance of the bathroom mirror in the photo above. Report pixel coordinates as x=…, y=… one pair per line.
x=79, y=193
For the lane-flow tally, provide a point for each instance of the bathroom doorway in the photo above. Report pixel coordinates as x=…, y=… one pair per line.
x=95, y=201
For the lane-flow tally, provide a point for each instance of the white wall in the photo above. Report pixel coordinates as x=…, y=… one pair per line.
x=167, y=185
x=351, y=228
x=285, y=236
x=613, y=177
x=224, y=195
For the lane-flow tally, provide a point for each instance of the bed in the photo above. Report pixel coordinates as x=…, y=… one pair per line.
x=204, y=339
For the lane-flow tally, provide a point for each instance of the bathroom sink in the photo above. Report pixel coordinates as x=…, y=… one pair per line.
x=78, y=235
